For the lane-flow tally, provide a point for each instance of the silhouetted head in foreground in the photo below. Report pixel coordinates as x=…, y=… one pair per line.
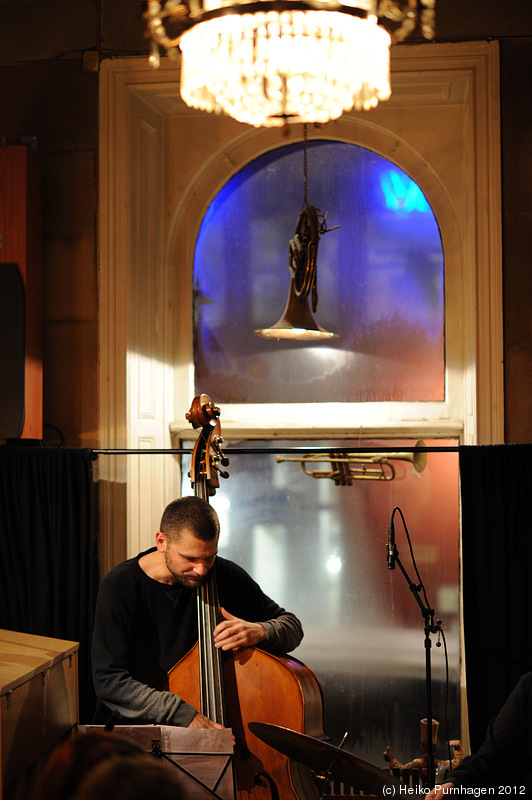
x=100, y=765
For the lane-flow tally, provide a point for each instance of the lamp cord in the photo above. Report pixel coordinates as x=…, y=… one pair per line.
x=305, y=166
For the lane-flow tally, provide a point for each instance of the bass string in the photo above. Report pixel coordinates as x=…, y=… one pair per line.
x=211, y=672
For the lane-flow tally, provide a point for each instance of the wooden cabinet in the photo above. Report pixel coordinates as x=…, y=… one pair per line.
x=38, y=704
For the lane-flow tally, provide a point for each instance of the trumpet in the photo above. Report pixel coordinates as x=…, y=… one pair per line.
x=347, y=467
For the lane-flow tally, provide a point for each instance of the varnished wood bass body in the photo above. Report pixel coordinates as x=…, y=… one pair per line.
x=261, y=687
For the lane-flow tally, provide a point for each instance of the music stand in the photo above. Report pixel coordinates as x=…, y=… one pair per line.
x=204, y=757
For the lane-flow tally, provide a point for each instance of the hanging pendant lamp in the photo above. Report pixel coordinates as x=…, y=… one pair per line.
x=297, y=322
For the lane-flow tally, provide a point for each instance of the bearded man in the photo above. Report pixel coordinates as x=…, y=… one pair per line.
x=146, y=618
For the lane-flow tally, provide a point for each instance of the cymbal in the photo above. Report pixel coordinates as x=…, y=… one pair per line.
x=322, y=757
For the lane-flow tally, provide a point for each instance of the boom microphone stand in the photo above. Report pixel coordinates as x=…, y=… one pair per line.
x=392, y=557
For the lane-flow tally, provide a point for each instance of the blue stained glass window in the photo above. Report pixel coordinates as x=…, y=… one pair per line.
x=380, y=282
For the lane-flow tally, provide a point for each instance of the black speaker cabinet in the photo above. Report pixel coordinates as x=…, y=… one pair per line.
x=20, y=293
x=12, y=351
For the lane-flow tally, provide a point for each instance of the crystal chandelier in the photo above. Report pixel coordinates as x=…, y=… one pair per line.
x=271, y=62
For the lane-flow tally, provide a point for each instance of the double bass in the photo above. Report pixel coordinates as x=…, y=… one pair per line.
x=248, y=685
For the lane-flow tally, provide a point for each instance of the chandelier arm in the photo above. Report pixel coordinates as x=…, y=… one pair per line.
x=428, y=19
x=407, y=15
x=154, y=15
x=185, y=18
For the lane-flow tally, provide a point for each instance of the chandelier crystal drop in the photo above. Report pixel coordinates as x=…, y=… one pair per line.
x=271, y=62
x=266, y=69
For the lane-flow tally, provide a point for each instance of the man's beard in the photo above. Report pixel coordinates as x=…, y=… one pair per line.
x=190, y=583
x=182, y=578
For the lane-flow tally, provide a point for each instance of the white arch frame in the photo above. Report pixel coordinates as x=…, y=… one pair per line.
x=323, y=419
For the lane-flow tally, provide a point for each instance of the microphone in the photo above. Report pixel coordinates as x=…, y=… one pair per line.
x=390, y=548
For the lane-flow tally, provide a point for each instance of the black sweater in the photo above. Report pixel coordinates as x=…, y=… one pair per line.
x=144, y=627
x=505, y=757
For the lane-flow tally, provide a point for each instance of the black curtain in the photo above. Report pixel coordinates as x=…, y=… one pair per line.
x=46, y=549
x=496, y=494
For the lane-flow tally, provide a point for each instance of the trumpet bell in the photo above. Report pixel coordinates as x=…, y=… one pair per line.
x=296, y=322
x=419, y=459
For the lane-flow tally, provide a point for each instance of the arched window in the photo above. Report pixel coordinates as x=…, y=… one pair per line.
x=380, y=282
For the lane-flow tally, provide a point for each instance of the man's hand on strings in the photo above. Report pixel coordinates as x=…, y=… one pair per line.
x=201, y=721
x=233, y=633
